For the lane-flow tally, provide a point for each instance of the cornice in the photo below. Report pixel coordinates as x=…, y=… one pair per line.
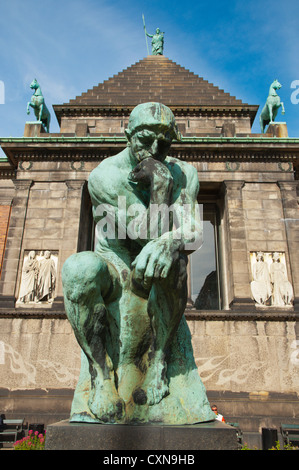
x=7, y=171
x=124, y=111
x=191, y=315
x=218, y=149
x=230, y=315
x=96, y=138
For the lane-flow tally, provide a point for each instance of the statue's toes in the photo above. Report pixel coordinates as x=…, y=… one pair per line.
x=109, y=412
x=155, y=394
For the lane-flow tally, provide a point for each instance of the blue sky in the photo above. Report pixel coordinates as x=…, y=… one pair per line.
x=72, y=45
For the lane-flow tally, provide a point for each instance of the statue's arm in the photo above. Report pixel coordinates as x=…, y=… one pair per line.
x=146, y=229
x=158, y=255
x=187, y=213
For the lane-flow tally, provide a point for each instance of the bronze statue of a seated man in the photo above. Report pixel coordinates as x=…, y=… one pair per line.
x=126, y=300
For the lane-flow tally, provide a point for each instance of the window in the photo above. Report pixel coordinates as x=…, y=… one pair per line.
x=204, y=267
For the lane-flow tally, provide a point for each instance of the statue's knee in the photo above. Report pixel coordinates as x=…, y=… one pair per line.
x=82, y=276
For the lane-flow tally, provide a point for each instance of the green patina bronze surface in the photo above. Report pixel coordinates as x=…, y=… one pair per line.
x=38, y=104
x=272, y=106
x=157, y=41
x=126, y=300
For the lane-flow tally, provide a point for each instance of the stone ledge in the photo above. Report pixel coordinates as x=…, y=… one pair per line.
x=242, y=315
x=57, y=311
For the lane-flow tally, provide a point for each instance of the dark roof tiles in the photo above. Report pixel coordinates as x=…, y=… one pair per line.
x=155, y=78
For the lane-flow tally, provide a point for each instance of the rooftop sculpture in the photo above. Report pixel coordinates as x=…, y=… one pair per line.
x=38, y=104
x=157, y=40
x=273, y=103
x=126, y=300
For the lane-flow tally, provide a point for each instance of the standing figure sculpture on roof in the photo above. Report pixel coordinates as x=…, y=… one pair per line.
x=126, y=300
x=157, y=41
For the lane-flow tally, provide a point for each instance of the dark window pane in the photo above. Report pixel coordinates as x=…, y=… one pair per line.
x=204, y=265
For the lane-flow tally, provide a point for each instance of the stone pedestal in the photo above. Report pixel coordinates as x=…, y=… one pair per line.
x=278, y=129
x=213, y=435
x=34, y=129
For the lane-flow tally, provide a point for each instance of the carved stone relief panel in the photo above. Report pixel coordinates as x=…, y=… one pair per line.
x=38, y=278
x=270, y=286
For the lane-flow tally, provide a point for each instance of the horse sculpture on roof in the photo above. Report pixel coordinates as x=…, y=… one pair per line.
x=271, y=107
x=38, y=104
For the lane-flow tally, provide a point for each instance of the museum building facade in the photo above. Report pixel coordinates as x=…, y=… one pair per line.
x=243, y=283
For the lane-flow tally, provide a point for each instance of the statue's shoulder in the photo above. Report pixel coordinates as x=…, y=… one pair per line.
x=107, y=170
x=186, y=168
x=105, y=179
x=184, y=175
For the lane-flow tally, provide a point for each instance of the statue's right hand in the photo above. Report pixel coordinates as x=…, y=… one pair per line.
x=155, y=260
x=151, y=172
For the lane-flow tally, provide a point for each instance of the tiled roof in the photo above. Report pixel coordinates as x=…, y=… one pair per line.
x=155, y=78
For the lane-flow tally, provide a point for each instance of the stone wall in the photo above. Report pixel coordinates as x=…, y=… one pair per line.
x=45, y=215
x=249, y=368
x=263, y=209
x=103, y=125
x=246, y=356
x=236, y=356
x=38, y=354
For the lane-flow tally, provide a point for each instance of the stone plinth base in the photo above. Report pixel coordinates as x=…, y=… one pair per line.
x=278, y=129
x=33, y=129
x=83, y=436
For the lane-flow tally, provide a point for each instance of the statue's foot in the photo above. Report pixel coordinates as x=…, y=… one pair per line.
x=155, y=386
x=107, y=406
x=108, y=411
x=155, y=395
x=105, y=403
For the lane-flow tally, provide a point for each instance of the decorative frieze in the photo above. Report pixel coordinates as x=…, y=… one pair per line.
x=39, y=278
x=270, y=286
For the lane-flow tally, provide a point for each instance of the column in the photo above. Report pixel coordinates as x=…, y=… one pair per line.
x=71, y=230
x=237, y=266
x=11, y=259
x=5, y=209
x=289, y=199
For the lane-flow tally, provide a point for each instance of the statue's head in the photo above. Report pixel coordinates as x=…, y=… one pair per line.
x=276, y=85
x=157, y=31
x=259, y=255
x=276, y=257
x=34, y=84
x=151, y=130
